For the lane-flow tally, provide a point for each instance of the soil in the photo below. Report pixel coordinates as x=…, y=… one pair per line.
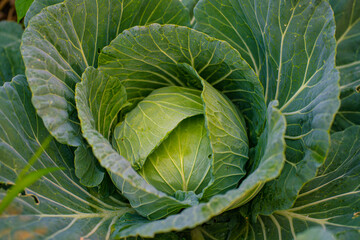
x=7, y=10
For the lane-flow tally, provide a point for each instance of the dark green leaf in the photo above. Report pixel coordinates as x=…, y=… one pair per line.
x=22, y=183
x=36, y=7
x=64, y=39
x=330, y=201
x=223, y=20
x=347, y=17
x=315, y=233
x=10, y=56
x=348, y=234
x=190, y=4
x=291, y=45
x=87, y=167
x=65, y=210
x=35, y=157
x=26, y=179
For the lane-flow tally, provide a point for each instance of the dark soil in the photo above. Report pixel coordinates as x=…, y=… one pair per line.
x=7, y=10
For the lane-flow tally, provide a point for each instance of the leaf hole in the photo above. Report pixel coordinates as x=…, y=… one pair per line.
x=7, y=186
x=357, y=89
x=36, y=199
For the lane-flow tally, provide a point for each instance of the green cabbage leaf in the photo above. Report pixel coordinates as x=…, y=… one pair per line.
x=10, y=56
x=181, y=119
x=291, y=46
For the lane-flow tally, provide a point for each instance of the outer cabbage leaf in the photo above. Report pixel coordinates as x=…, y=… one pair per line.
x=347, y=17
x=330, y=201
x=271, y=162
x=10, y=56
x=87, y=168
x=230, y=226
x=348, y=234
x=291, y=45
x=108, y=97
x=63, y=208
x=140, y=194
x=64, y=39
x=151, y=57
x=36, y=7
x=190, y=4
x=315, y=233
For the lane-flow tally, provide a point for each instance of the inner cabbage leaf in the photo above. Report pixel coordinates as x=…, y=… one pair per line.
x=183, y=161
x=151, y=121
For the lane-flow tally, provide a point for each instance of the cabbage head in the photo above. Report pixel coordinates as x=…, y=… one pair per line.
x=184, y=119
